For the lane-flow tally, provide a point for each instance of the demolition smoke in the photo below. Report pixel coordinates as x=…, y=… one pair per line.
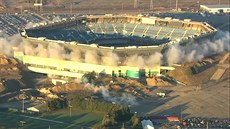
x=175, y=53
x=197, y=51
x=125, y=98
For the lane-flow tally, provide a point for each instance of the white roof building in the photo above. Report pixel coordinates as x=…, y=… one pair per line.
x=147, y=124
x=36, y=108
x=216, y=8
x=33, y=109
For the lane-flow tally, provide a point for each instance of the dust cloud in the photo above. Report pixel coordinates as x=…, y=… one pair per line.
x=175, y=53
x=7, y=43
x=197, y=51
x=124, y=98
x=143, y=62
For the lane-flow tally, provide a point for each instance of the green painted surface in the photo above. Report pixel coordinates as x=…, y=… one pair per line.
x=132, y=74
x=19, y=57
x=153, y=72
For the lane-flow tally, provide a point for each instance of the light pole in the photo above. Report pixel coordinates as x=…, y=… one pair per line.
x=176, y=5
x=23, y=101
x=70, y=111
x=71, y=8
x=22, y=123
x=151, y=4
x=122, y=7
x=170, y=4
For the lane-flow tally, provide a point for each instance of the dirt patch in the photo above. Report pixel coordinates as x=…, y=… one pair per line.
x=204, y=70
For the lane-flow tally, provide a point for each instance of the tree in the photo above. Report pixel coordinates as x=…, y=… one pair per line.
x=108, y=120
x=135, y=120
x=89, y=77
x=57, y=104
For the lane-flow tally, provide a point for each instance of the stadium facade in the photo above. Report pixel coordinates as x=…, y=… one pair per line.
x=120, y=34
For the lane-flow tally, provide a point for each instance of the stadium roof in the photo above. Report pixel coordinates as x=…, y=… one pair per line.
x=218, y=6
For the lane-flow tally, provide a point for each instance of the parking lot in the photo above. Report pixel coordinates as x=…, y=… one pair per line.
x=10, y=23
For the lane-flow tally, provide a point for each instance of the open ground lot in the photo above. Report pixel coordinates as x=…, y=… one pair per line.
x=57, y=120
x=209, y=100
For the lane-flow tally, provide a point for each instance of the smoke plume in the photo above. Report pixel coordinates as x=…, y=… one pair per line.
x=92, y=56
x=110, y=59
x=196, y=51
x=175, y=54
x=142, y=62
x=7, y=43
x=125, y=98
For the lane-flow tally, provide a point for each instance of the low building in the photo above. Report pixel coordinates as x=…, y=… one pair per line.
x=216, y=8
x=36, y=108
x=33, y=109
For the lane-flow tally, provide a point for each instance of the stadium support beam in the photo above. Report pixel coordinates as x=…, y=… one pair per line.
x=170, y=35
x=176, y=5
x=135, y=4
x=185, y=32
x=158, y=32
x=145, y=31
x=71, y=8
x=102, y=31
x=133, y=30
x=151, y=5
x=114, y=29
x=124, y=29
x=167, y=35
x=170, y=4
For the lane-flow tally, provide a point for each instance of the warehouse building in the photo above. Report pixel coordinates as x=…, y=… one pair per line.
x=216, y=8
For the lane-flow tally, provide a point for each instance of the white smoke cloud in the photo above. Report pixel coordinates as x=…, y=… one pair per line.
x=197, y=51
x=7, y=43
x=154, y=59
x=111, y=59
x=175, y=53
x=56, y=51
x=142, y=62
x=125, y=98
x=41, y=51
x=92, y=56
x=75, y=56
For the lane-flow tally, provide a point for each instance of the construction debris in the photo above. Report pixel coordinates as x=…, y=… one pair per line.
x=222, y=67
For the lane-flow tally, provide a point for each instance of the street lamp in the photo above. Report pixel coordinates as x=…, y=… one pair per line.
x=23, y=101
x=70, y=106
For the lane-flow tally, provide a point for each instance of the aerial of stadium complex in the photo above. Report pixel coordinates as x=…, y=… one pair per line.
x=120, y=34
x=114, y=64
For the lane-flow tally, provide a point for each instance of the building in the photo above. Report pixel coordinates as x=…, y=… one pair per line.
x=33, y=109
x=36, y=108
x=120, y=34
x=216, y=8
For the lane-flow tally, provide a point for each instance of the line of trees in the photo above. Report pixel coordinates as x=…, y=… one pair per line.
x=58, y=103
x=114, y=113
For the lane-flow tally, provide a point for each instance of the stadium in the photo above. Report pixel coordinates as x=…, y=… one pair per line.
x=121, y=35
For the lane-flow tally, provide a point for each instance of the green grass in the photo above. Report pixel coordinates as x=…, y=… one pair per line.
x=62, y=118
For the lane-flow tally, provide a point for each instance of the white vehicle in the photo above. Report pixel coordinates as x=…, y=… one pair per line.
x=161, y=94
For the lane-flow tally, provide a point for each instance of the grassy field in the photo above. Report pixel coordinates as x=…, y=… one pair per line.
x=56, y=120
